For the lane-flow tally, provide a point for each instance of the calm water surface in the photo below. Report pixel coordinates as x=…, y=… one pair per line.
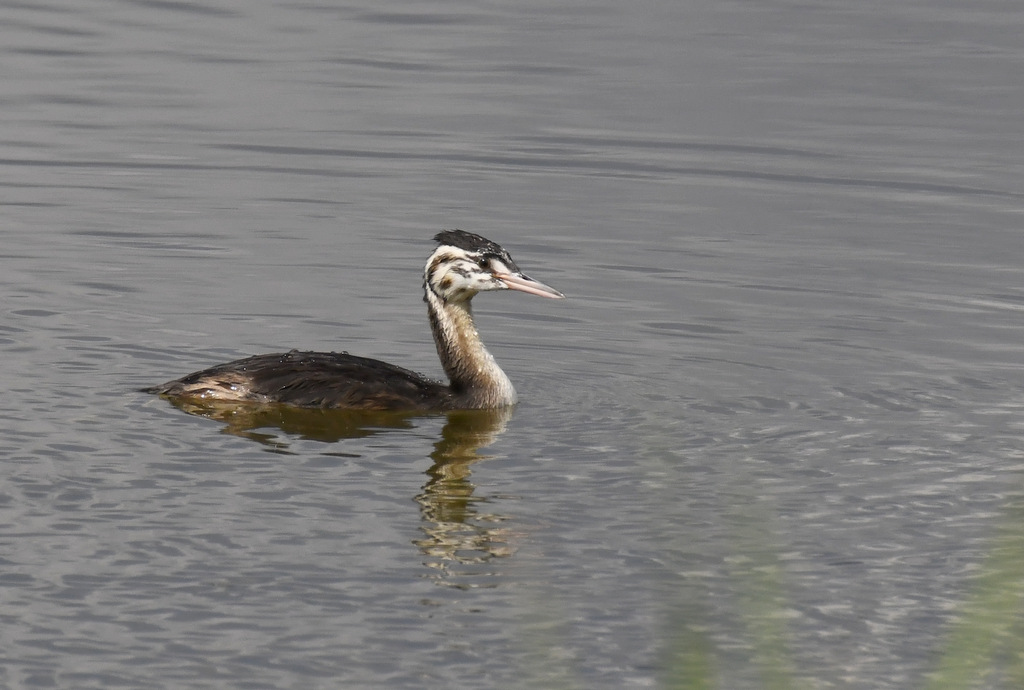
x=772, y=440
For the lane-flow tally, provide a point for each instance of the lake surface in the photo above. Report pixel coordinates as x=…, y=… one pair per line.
x=773, y=439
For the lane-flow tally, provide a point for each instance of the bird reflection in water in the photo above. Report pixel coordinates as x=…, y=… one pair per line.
x=458, y=537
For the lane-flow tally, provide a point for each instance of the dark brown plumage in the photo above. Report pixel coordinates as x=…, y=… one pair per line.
x=314, y=379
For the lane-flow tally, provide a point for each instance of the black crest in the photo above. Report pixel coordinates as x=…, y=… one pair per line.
x=469, y=242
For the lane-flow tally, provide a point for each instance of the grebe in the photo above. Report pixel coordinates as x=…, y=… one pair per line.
x=462, y=265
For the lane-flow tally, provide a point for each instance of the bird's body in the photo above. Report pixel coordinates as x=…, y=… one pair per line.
x=462, y=265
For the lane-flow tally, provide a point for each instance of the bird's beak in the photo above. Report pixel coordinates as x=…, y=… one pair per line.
x=522, y=283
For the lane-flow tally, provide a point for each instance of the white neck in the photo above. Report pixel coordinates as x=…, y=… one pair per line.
x=476, y=379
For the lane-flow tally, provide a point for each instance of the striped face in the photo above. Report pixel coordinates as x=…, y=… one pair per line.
x=456, y=274
x=465, y=264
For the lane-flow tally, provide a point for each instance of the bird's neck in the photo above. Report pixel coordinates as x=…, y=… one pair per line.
x=476, y=379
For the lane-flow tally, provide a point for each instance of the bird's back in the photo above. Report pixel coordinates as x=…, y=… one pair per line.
x=313, y=379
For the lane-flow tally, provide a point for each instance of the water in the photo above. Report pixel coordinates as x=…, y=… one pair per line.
x=771, y=440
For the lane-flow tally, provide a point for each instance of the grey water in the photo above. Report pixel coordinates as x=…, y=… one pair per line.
x=771, y=440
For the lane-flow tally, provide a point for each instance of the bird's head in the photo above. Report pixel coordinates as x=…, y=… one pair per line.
x=464, y=264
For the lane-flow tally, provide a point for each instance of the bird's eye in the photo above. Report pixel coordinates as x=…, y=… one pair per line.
x=483, y=262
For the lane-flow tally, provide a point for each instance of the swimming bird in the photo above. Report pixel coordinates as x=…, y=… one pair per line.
x=462, y=265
